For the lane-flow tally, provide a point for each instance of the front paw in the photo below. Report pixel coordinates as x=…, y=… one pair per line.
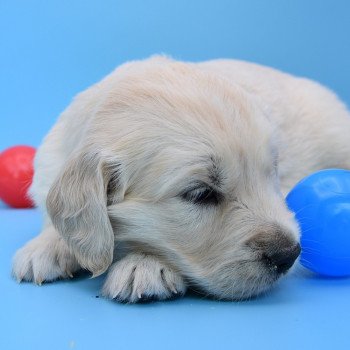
x=140, y=277
x=45, y=258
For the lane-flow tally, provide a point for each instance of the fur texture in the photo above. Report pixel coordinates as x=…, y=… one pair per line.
x=186, y=164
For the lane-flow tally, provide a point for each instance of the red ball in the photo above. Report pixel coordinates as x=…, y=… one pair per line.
x=16, y=175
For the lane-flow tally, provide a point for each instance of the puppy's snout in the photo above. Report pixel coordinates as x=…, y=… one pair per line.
x=277, y=251
x=283, y=259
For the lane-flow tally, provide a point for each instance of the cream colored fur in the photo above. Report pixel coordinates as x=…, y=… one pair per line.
x=119, y=163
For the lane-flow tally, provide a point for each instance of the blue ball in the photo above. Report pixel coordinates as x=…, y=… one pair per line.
x=321, y=203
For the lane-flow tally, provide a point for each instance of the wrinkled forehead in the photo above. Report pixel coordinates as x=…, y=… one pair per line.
x=219, y=162
x=177, y=130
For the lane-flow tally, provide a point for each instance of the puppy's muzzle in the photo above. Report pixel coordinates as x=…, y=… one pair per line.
x=276, y=251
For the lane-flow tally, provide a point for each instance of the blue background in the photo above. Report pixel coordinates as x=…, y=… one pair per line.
x=51, y=50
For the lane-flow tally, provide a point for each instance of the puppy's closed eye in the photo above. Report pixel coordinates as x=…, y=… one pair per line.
x=203, y=195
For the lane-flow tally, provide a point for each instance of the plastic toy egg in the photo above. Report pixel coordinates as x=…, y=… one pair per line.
x=321, y=203
x=16, y=175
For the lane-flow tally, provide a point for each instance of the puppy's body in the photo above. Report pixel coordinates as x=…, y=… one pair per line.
x=179, y=160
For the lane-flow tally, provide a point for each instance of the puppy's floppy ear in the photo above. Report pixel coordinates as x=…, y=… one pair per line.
x=77, y=205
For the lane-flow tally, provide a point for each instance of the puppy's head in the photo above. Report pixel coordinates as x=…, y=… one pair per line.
x=183, y=165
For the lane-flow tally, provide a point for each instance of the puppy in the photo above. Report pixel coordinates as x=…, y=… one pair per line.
x=186, y=166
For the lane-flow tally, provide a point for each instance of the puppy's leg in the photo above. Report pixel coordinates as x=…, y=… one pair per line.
x=44, y=258
x=139, y=277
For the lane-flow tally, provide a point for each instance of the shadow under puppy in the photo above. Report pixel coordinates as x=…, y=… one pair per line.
x=188, y=165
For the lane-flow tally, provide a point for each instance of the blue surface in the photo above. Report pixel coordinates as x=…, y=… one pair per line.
x=303, y=312
x=50, y=50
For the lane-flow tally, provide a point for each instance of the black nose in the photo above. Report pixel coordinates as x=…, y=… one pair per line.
x=282, y=259
x=277, y=249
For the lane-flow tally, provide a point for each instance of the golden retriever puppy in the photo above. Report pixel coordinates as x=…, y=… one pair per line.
x=186, y=166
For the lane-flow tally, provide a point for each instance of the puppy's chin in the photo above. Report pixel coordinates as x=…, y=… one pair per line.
x=241, y=288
